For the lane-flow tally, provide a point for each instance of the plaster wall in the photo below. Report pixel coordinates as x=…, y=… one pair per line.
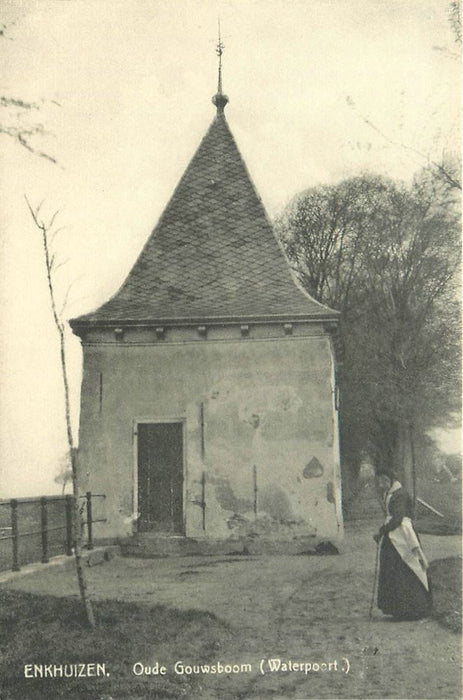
x=249, y=406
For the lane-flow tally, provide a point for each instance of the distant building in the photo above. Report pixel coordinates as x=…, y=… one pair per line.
x=208, y=395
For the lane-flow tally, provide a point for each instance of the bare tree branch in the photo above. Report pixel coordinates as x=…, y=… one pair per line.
x=12, y=125
x=60, y=264
x=66, y=296
x=450, y=178
x=55, y=233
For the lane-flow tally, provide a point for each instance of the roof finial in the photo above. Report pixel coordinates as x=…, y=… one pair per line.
x=220, y=100
x=219, y=52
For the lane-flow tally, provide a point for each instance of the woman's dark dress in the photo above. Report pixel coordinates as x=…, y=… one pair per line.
x=400, y=592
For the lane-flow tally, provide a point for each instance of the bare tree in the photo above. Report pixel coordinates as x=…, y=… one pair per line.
x=48, y=232
x=386, y=256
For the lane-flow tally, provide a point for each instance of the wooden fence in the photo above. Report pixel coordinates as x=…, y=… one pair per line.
x=38, y=528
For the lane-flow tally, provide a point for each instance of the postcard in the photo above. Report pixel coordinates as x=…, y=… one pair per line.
x=231, y=346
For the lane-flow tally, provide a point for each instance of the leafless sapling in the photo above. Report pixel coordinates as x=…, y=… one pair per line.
x=48, y=232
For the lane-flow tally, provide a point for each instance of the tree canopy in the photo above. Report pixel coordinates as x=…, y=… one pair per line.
x=386, y=256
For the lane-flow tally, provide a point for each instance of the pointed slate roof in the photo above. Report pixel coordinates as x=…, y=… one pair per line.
x=213, y=255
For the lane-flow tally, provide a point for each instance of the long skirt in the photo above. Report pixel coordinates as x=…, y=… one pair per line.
x=400, y=592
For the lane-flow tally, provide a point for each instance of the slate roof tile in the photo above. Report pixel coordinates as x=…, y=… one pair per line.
x=213, y=253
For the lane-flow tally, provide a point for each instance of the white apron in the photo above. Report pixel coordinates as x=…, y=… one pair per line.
x=406, y=542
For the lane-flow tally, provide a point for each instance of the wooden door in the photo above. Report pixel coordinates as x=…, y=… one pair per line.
x=160, y=477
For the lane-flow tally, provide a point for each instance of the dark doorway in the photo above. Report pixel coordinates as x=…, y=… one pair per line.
x=160, y=477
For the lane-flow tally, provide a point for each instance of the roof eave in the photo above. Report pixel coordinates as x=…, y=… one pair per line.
x=81, y=324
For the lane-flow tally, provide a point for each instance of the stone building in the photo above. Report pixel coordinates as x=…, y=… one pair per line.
x=208, y=407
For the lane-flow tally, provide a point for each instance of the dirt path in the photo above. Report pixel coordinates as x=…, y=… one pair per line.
x=303, y=609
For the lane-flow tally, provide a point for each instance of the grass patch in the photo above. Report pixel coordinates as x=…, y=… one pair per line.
x=434, y=526
x=46, y=630
x=445, y=575
x=446, y=498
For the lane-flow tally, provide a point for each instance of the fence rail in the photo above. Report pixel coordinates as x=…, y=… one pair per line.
x=44, y=531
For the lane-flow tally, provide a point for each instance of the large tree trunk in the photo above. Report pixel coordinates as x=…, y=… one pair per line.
x=404, y=458
x=396, y=451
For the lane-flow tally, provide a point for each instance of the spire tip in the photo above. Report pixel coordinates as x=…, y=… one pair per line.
x=220, y=100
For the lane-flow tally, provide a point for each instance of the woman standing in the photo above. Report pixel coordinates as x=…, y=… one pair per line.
x=403, y=589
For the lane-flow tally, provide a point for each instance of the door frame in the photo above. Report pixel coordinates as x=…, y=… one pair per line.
x=156, y=420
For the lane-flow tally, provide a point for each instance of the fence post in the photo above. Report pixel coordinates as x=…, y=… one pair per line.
x=69, y=519
x=89, y=519
x=44, y=528
x=203, y=498
x=15, y=533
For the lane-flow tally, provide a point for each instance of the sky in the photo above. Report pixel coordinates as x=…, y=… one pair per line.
x=319, y=91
